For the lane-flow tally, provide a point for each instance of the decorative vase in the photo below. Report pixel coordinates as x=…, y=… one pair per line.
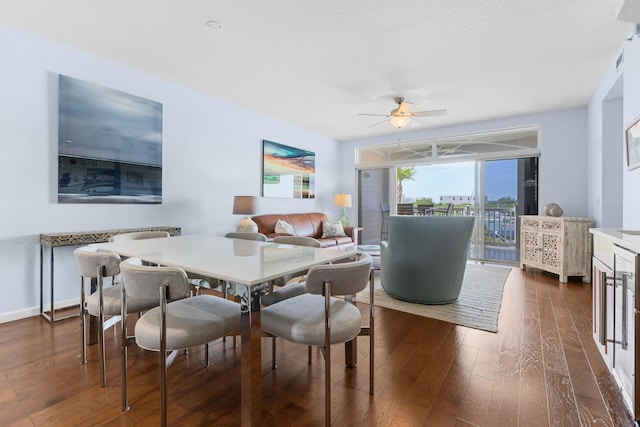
x=553, y=209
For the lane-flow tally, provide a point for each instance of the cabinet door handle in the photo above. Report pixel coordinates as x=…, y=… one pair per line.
x=625, y=302
x=602, y=332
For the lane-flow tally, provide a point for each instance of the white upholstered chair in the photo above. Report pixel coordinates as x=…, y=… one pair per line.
x=247, y=236
x=292, y=284
x=180, y=324
x=103, y=301
x=317, y=318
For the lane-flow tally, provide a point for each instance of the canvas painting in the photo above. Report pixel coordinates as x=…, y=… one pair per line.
x=288, y=171
x=109, y=145
x=633, y=145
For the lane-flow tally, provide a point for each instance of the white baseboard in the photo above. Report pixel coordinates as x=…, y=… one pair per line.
x=35, y=311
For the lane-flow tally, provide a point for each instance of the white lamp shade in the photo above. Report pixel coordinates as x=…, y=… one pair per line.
x=342, y=200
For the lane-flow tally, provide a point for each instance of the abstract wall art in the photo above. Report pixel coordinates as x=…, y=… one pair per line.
x=109, y=145
x=288, y=171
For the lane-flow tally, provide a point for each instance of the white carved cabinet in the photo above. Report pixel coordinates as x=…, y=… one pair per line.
x=560, y=245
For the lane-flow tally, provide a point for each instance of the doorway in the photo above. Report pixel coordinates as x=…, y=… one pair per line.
x=495, y=177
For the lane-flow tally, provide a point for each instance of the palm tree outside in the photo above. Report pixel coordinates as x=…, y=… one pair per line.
x=405, y=174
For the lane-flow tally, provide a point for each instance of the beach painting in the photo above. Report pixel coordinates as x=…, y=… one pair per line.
x=287, y=171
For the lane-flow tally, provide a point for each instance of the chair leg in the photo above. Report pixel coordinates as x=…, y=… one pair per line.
x=103, y=362
x=274, y=365
x=327, y=357
x=163, y=356
x=371, y=330
x=83, y=320
x=124, y=357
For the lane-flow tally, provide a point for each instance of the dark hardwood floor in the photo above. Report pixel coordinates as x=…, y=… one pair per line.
x=541, y=368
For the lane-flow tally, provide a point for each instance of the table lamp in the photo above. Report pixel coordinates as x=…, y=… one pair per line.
x=245, y=205
x=343, y=201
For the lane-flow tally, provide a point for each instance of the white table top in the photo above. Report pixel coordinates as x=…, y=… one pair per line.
x=239, y=261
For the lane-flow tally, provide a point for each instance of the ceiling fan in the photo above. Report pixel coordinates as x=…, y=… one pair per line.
x=401, y=116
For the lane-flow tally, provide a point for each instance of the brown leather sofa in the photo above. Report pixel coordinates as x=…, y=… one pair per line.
x=306, y=224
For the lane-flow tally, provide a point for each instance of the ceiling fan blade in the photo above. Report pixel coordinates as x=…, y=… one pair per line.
x=430, y=113
x=378, y=115
x=413, y=123
x=379, y=123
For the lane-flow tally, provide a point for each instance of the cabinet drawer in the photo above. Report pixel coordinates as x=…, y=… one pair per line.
x=529, y=223
x=603, y=250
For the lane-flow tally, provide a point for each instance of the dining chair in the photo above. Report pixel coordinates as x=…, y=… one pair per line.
x=103, y=300
x=384, y=227
x=289, y=288
x=424, y=209
x=405, y=208
x=178, y=322
x=247, y=236
x=317, y=318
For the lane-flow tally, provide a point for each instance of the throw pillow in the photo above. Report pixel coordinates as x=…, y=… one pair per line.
x=284, y=227
x=332, y=229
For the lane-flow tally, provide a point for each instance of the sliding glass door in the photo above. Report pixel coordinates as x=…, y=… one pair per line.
x=492, y=176
x=495, y=192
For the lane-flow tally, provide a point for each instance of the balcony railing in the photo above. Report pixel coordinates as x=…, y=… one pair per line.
x=499, y=225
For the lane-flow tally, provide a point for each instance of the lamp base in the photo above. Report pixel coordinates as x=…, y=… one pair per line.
x=247, y=225
x=345, y=221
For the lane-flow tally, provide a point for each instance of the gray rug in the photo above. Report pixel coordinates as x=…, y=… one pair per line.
x=478, y=305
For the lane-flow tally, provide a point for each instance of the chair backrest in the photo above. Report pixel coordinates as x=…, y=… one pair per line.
x=346, y=278
x=138, y=235
x=88, y=259
x=423, y=208
x=405, y=208
x=142, y=282
x=425, y=257
x=298, y=241
x=384, y=208
x=259, y=237
x=450, y=209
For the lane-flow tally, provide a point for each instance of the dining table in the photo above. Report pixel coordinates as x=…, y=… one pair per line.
x=248, y=267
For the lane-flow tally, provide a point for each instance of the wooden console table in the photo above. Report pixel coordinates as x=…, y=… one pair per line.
x=76, y=238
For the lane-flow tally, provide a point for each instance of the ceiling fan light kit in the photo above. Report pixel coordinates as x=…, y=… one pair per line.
x=399, y=121
x=401, y=116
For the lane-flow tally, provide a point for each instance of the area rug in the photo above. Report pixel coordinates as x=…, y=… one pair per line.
x=478, y=305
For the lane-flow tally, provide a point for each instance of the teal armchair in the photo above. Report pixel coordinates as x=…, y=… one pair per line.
x=425, y=257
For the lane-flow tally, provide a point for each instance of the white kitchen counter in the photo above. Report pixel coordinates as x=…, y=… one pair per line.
x=629, y=239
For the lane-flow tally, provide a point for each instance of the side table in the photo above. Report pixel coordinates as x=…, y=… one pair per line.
x=53, y=240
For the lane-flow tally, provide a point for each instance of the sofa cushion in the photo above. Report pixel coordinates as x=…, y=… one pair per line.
x=332, y=229
x=283, y=227
x=327, y=242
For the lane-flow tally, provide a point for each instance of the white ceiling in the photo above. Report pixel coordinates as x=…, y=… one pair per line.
x=318, y=64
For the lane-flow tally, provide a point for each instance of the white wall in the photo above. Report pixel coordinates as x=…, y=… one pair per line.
x=562, y=167
x=613, y=190
x=631, y=112
x=212, y=151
